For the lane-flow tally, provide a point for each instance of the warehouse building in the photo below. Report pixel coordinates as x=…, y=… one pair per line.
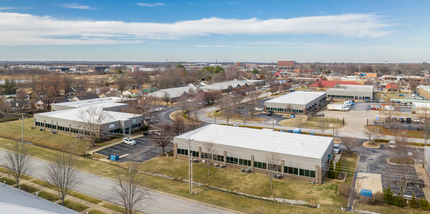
x=424, y=91
x=351, y=92
x=229, y=85
x=66, y=118
x=304, y=157
x=301, y=102
x=175, y=93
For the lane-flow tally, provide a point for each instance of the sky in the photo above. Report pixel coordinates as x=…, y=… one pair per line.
x=227, y=31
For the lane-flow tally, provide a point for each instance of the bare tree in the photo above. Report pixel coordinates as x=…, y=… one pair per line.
x=273, y=165
x=424, y=115
x=183, y=104
x=252, y=104
x=4, y=106
x=127, y=186
x=299, y=121
x=20, y=99
x=63, y=172
x=403, y=166
x=164, y=139
x=323, y=124
x=211, y=151
x=93, y=118
x=166, y=98
x=226, y=105
x=350, y=142
x=147, y=104
x=372, y=135
x=18, y=161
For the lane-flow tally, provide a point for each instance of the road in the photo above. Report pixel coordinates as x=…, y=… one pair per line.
x=101, y=188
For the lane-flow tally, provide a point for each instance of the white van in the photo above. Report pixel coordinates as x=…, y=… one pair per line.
x=392, y=144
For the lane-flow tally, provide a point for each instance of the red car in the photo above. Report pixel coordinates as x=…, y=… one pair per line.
x=375, y=108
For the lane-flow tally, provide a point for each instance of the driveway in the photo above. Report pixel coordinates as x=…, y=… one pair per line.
x=143, y=150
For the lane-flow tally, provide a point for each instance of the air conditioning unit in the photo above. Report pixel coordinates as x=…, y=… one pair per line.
x=242, y=170
x=31, y=127
x=247, y=170
x=216, y=165
x=203, y=161
x=221, y=166
x=41, y=129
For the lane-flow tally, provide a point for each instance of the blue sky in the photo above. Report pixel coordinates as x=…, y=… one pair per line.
x=258, y=31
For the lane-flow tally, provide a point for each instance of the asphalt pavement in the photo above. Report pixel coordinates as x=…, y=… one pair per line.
x=144, y=150
x=101, y=188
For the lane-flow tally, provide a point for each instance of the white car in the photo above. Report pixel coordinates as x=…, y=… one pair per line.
x=392, y=144
x=258, y=109
x=336, y=148
x=129, y=141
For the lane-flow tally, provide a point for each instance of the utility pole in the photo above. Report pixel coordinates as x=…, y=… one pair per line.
x=190, y=166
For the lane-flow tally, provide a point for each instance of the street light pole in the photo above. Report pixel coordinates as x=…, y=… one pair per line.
x=190, y=167
x=215, y=119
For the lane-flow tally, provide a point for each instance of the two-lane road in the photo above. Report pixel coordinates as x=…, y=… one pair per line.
x=101, y=188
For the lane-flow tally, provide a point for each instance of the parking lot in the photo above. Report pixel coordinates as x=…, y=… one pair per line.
x=375, y=161
x=143, y=150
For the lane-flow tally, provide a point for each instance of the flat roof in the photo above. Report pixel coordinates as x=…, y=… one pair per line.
x=297, y=97
x=173, y=92
x=73, y=114
x=356, y=88
x=112, y=101
x=303, y=145
x=14, y=201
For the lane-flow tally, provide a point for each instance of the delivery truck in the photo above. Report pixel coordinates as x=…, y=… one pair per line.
x=337, y=107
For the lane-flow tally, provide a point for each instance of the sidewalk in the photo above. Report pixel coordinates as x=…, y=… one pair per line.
x=90, y=205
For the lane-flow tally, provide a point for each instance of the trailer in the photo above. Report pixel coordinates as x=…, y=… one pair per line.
x=337, y=107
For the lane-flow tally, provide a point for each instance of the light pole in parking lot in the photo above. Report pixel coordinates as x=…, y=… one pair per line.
x=190, y=166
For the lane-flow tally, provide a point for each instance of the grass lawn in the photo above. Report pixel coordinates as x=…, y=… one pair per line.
x=114, y=207
x=8, y=181
x=85, y=197
x=96, y=212
x=75, y=206
x=48, y=196
x=410, y=133
x=13, y=129
x=348, y=161
x=25, y=177
x=312, y=123
x=28, y=188
x=178, y=114
x=236, y=117
x=253, y=183
x=388, y=209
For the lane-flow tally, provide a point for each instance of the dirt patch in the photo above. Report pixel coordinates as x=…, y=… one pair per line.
x=272, y=196
x=236, y=189
x=396, y=161
x=208, y=183
x=375, y=145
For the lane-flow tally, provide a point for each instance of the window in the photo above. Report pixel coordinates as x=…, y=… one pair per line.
x=312, y=174
x=307, y=173
x=296, y=171
x=302, y=172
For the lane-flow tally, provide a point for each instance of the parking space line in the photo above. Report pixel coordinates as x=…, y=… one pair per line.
x=123, y=155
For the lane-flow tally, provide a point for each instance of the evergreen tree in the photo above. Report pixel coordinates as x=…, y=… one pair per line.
x=331, y=170
x=388, y=196
x=338, y=169
x=413, y=203
x=424, y=204
x=399, y=201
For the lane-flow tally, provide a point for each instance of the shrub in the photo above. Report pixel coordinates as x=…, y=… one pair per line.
x=367, y=200
x=343, y=190
x=424, y=204
x=379, y=197
x=413, y=203
x=338, y=169
x=399, y=201
x=331, y=172
x=388, y=196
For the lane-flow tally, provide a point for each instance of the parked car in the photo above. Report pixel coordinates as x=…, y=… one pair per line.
x=416, y=120
x=336, y=148
x=366, y=100
x=154, y=132
x=419, y=127
x=375, y=108
x=392, y=144
x=376, y=100
x=269, y=113
x=416, y=182
x=128, y=141
x=258, y=109
x=408, y=120
x=402, y=120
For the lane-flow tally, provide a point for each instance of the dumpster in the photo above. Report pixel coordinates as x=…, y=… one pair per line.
x=312, y=133
x=366, y=193
x=297, y=131
x=291, y=131
x=114, y=157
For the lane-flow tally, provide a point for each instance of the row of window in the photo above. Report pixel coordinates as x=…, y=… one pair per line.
x=185, y=152
x=284, y=110
x=81, y=131
x=345, y=96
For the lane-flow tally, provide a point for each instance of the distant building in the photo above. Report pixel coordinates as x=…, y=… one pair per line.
x=304, y=70
x=425, y=91
x=239, y=64
x=391, y=87
x=289, y=64
x=324, y=84
x=101, y=70
x=403, y=78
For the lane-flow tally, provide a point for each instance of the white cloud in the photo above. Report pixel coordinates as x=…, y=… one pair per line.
x=14, y=8
x=77, y=6
x=151, y=4
x=27, y=29
x=217, y=46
